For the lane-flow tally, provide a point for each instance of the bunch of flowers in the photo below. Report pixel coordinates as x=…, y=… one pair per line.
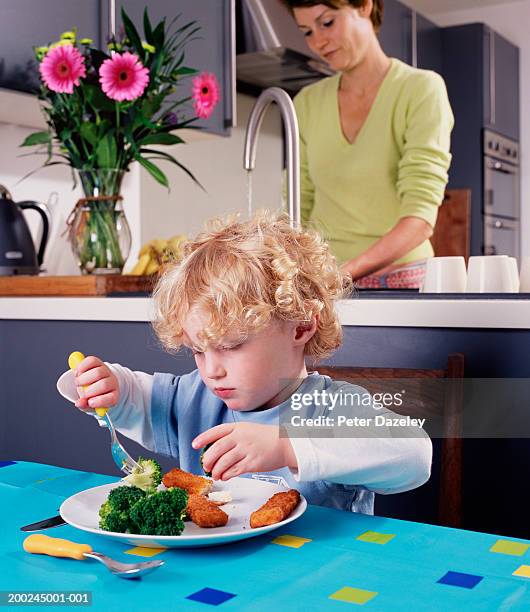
x=105, y=110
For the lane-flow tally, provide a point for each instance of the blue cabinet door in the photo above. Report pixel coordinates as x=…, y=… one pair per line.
x=396, y=32
x=211, y=50
x=25, y=24
x=428, y=44
x=501, y=84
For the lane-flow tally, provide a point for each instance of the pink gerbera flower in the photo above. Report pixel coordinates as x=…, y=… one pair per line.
x=205, y=94
x=123, y=77
x=61, y=68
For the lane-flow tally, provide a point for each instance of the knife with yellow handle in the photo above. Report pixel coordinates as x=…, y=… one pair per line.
x=74, y=360
x=55, y=547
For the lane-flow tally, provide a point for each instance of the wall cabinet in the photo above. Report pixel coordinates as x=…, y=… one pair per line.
x=25, y=24
x=481, y=71
x=396, y=32
x=28, y=23
x=501, y=84
x=411, y=37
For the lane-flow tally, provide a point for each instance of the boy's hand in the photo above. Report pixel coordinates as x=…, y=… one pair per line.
x=241, y=448
x=96, y=385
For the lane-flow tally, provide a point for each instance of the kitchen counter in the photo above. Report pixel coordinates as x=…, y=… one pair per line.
x=360, y=311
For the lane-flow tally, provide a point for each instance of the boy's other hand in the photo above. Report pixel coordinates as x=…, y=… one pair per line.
x=243, y=448
x=97, y=386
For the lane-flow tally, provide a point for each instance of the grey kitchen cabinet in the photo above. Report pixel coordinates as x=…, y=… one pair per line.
x=482, y=70
x=427, y=45
x=396, y=32
x=411, y=37
x=212, y=49
x=25, y=24
x=501, y=84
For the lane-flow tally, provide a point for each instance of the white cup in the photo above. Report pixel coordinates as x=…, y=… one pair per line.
x=490, y=274
x=524, y=278
x=444, y=275
x=515, y=274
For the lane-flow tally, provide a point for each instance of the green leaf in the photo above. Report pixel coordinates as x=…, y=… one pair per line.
x=89, y=132
x=36, y=138
x=170, y=158
x=148, y=30
x=162, y=138
x=153, y=170
x=106, y=151
x=185, y=70
x=132, y=33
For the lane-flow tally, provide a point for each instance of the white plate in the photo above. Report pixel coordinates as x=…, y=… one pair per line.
x=81, y=511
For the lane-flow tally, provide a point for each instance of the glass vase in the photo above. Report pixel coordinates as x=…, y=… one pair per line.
x=99, y=232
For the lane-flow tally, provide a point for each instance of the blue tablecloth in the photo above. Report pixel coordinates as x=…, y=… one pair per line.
x=334, y=560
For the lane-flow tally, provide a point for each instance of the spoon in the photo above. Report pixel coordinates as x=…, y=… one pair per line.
x=55, y=547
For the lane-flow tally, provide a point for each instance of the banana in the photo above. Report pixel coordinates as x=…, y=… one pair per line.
x=155, y=253
x=152, y=267
x=141, y=265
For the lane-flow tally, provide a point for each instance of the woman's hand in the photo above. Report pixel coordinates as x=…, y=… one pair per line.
x=241, y=448
x=408, y=233
x=97, y=386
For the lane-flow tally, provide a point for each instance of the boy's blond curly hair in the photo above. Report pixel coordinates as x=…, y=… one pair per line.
x=241, y=275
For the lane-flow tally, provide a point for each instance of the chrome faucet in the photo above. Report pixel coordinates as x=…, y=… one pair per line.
x=290, y=122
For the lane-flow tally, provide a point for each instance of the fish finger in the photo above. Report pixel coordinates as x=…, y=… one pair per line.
x=276, y=509
x=205, y=513
x=194, y=485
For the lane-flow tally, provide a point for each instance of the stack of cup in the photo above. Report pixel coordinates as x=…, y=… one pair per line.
x=485, y=274
x=445, y=275
x=524, y=277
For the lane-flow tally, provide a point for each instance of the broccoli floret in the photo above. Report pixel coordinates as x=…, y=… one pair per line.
x=114, y=512
x=161, y=513
x=113, y=520
x=209, y=474
x=147, y=476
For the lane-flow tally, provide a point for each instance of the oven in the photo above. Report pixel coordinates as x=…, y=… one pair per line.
x=501, y=236
x=501, y=205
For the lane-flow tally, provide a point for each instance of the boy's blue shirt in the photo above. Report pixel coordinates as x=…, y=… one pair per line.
x=182, y=407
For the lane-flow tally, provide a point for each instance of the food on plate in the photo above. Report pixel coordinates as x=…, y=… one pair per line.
x=161, y=513
x=114, y=514
x=209, y=474
x=276, y=509
x=147, y=476
x=205, y=513
x=194, y=485
x=128, y=509
x=220, y=497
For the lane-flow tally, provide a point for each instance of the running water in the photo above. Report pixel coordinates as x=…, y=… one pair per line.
x=249, y=193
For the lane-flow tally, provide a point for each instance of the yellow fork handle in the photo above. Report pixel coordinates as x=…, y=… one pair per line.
x=74, y=360
x=55, y=547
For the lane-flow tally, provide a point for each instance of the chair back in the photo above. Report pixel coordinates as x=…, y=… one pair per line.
x=425, y=398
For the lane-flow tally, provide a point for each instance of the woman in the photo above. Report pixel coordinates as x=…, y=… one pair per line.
x=374, y=145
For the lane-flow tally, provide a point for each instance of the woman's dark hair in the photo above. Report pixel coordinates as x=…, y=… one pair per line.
x=376, y=15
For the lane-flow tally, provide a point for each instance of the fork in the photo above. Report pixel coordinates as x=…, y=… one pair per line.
x=120, y=456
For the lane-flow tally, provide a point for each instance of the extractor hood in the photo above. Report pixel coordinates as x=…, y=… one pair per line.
x=272, y=51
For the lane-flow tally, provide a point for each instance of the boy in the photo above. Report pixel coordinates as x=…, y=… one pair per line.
x=253, y=300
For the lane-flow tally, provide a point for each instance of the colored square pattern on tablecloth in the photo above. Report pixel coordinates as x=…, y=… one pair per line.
x=143, y=551
x=353, y=595
x=6, y=463
x=508, y=547
x=460, y=579
x=375, y=537
x=291, y=541
x=523, y=571
x=214, y=597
